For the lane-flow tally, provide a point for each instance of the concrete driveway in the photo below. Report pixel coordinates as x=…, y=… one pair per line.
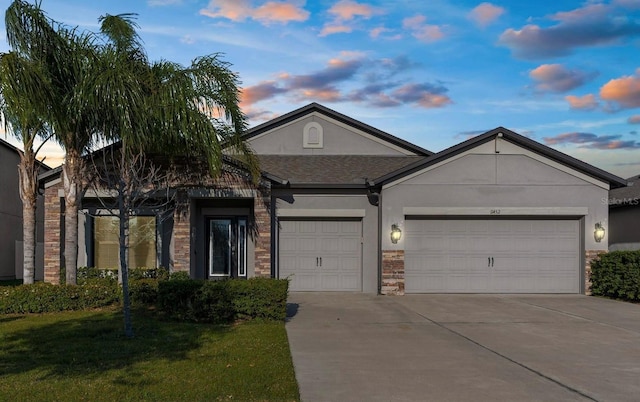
x=355, y=347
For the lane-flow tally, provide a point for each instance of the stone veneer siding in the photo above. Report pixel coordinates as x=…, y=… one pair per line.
x=234, y=183
x=392, y=272
x=53, y=219
x=589, y=257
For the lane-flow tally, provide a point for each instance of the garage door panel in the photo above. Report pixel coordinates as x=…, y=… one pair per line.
x=492, y=256
x=321, y=255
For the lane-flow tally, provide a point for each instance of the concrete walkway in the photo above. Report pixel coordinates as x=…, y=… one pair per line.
x=355, y=347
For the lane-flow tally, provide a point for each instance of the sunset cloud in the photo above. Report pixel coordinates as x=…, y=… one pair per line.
x=635, y=119
x=589, y=140
x=557, y=78
x=586, y=102
x=485, y=14
x=270, y=12
x=623, y=92
x=421, y=30
x=347, y=10
x=344, y=14
x=592, y=25
x=371, y=82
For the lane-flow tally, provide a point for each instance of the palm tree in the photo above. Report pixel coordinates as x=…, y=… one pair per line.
x=23, y=102
x=65, y=56
x=160, y=108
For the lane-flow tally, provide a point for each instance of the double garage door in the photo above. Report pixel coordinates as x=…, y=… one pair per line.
x=492, y=256
x=321, y=255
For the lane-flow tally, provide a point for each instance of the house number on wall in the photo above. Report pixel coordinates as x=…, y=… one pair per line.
x=494, y=212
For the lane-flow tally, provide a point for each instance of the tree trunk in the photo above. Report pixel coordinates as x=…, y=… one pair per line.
x=123, y=214
x=27, y=174
x=72, y=176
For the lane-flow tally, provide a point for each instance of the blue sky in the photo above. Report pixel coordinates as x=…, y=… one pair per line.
x=565, y=73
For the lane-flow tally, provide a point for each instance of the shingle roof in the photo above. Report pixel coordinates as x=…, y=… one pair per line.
x=626, y=195
x=333, y=169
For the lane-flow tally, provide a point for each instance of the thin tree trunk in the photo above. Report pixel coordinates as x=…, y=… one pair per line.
x=27, y=174
x=72, y=175
x=123, y=213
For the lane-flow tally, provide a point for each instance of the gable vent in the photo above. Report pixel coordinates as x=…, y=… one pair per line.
x=312, y=136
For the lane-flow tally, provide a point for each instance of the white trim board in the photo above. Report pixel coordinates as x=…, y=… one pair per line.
x=495, y=211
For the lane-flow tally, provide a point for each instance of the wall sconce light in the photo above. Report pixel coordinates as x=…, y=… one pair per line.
x=598, y=233
x=396, y=233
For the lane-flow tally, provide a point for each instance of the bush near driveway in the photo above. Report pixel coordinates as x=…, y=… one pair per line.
x=175, y=295
x=223, y=301
x=617, y=275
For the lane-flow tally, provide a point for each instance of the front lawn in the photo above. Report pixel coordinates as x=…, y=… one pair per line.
x=85, y=356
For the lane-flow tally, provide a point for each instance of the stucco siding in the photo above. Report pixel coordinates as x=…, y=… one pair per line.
x=337, y=139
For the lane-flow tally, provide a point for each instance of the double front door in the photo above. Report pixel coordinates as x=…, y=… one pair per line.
x=226, y=247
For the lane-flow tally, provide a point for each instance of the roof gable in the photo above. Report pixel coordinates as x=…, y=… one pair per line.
x=535, y=149
x=284, y=135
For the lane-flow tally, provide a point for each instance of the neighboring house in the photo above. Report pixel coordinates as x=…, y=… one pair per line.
x=11, y=266
x=343, y=206
x=624, y=216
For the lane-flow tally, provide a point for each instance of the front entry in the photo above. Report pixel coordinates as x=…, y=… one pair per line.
x=226, y=247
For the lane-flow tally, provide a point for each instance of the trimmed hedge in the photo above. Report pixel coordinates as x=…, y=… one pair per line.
x=175, y=295
x=45, y=297
x=225, y=300
x=617, y=275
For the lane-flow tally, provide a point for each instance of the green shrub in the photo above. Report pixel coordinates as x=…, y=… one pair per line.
x=225, y=300
x=176, y=298
x=259, y=298
x=143, y=291
x=45, y=297
x=617, y=275
x=179, y=276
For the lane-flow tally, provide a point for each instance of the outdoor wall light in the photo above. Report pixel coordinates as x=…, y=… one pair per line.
x=396, y=233
x=598, y=233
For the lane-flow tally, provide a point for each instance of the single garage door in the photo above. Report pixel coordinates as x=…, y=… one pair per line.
x=492, y=256
x=321, y=255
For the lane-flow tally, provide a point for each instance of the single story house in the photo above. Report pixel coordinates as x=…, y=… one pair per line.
x=343, y=206
x=11, y=251
x=624, y=216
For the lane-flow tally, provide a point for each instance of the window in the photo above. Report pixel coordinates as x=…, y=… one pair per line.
x=142, y=241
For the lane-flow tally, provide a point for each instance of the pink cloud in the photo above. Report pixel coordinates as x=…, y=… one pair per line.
x=624, y=91
x=485, y=13
x=270, y=12
x=635, y=119
x=335, y=29
x=421, y=30
x=594, y=24
x=557, y=78
x=590, y=140
x=586, y=102
x=346, y=10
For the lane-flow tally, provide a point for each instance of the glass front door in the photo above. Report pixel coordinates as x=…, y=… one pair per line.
x=227, y=254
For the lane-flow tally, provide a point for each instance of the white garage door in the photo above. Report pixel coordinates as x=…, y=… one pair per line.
x=492, y=256
x=323, y=255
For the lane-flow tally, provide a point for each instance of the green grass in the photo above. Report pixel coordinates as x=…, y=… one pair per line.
x=75, y=356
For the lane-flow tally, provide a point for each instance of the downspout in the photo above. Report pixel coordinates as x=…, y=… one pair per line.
x=380, y=241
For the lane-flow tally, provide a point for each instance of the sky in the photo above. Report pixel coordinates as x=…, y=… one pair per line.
x=432, y=72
